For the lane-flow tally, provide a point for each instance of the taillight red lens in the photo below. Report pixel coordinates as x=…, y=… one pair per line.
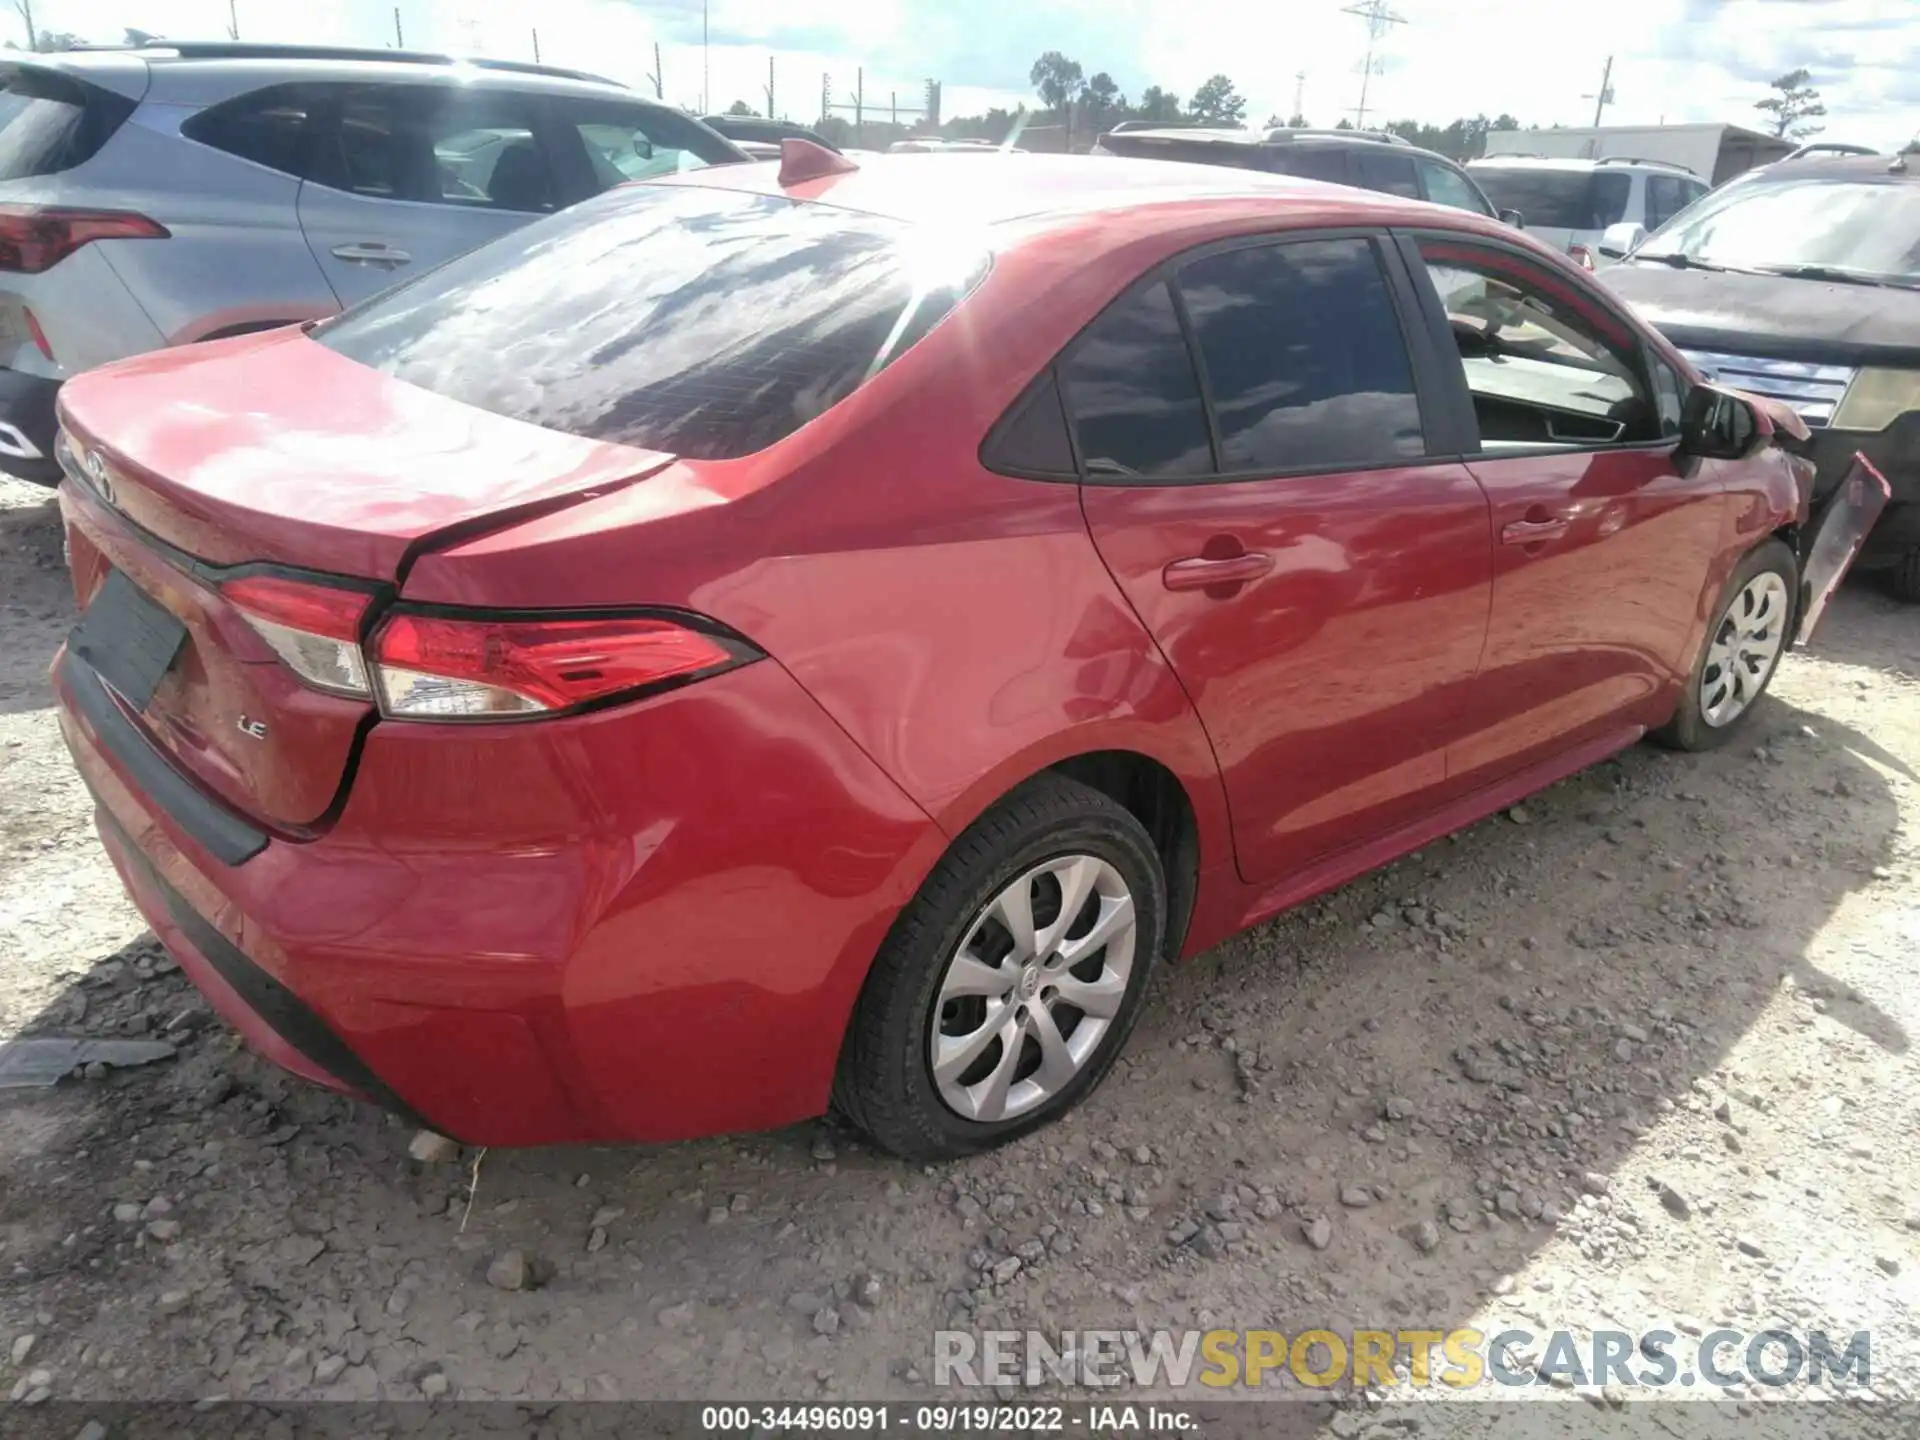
x=436, y=666
x=1582, y=256
x=314, y=628
x=38, y=237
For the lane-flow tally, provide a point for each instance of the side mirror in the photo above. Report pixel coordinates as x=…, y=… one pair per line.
x=1719, y=425
x=1620, y=241
x=643, y=147
x=1513, y=218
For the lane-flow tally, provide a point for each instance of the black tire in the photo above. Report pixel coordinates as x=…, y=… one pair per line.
x=1904, y=580
x=885, y=1083
x=1689, y=730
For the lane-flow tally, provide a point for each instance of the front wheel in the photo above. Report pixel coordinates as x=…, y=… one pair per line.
x=1008, y=985
x=1742, y=650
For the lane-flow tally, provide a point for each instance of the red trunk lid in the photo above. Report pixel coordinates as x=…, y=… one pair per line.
x=274, y=449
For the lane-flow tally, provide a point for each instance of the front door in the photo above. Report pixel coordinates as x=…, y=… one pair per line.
x=1258, y=482
x=1602, y=534
x=406, y=176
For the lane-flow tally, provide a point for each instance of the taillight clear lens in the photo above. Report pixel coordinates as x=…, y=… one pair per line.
x=315, y=629
x=444, y=667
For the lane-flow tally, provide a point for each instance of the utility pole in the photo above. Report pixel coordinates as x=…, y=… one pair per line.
x=1379, y=20
x=658, y=75
x=233, y=19
x=859, y=106
x=1605, y=97
x=826, y=95
x=770, y=114
x=399, y=39
x=536, y=44
x=706, y=64
x=893, y=102
x=1299, y=95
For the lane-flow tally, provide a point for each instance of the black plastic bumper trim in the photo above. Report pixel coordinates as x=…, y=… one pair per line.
x=284, y=1012
x=225, y=836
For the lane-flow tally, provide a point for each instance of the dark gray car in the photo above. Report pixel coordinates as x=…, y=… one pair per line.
x=167, y=194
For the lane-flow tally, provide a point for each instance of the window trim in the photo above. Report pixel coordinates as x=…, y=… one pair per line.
x=1423, y=362
x=1634, y=353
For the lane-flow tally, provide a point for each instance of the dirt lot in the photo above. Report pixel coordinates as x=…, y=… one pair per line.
x=1689, y=972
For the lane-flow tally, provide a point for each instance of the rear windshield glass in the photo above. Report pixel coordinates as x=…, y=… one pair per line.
x=703, y=323
x=1557, y=199
x=50, y=123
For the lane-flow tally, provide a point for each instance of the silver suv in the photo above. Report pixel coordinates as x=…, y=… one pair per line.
x=1575, y=202
x=158, y=196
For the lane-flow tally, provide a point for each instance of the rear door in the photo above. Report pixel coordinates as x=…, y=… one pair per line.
x=1260, y=480
x=1603, y=536
x=406, y=176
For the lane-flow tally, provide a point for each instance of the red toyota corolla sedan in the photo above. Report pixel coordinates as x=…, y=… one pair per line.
x=782, y=639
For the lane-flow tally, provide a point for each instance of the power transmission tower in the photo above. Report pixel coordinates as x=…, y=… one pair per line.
x=826, y=95
x=1605, y=97
x=1379, y=20
x=399, y=36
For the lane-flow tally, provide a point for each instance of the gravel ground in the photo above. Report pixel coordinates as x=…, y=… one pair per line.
x=1634, y=1054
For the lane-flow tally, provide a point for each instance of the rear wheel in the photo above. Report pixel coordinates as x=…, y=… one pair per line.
x=1742, y=650
x=1009, y=983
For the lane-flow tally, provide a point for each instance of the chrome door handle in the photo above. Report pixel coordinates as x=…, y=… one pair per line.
x=371, y=252
x=1197, y=572
x=1532, y=532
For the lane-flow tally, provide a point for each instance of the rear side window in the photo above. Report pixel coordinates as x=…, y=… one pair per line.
x=1133, y=395
x=1558, y=199
x=1310, y=162
x=703, y=323
x=1032, y=439
x=268, y=127
x=1386, y=172
x=50, y=122
x=439, y=145
x=1304, y=357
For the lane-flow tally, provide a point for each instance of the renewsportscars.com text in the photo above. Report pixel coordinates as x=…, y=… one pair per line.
x=1459, y=1359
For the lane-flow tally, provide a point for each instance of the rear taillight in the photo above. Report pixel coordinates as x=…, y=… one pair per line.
x=1582, y=256
x=444, y=665
x=314, y=628
x=38, y=237
x=450, y=664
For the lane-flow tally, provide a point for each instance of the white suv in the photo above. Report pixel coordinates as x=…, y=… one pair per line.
x=1570, y=203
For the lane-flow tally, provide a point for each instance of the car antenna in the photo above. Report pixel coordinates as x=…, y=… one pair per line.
x=803, y=160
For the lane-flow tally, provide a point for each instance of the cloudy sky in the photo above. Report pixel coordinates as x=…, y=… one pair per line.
x=1674, y=60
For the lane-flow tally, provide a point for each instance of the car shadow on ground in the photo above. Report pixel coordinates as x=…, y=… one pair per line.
x=35, y=601
x=1537, y=990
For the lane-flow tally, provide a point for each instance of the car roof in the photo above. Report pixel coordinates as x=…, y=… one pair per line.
x=1891, y=169
x=202, y=70
x=1546, y=162
x=988, y=190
